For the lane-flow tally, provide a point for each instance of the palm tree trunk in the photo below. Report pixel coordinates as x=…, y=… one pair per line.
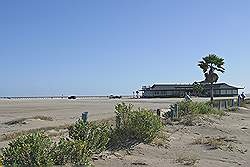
x=212, y=92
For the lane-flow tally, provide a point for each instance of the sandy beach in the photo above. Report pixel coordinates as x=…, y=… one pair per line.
x=180, y=150
x=24, y=114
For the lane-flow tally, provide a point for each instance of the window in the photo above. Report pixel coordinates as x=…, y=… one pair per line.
x=229, y=92
x=217, y=92
x=223, y=92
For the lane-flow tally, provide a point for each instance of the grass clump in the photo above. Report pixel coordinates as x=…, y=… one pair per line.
x=133, y=126
x=29, y=150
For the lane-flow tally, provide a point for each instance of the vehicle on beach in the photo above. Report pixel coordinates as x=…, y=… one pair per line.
x=71, y=97
x=114, y=97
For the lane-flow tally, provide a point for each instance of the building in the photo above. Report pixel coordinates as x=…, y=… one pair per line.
x=179, y=90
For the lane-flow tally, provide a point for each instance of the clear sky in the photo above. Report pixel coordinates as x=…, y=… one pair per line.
x=102, y=47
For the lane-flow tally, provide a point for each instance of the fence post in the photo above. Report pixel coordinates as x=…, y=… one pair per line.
x=176, y=108
x=158, y=112
x=233, y=103
x=239, y=100
x=85, y=116
x=226, y=104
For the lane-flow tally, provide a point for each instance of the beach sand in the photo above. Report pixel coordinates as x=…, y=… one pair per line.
x=18, y=115
x=228, y=146
x=233, y=129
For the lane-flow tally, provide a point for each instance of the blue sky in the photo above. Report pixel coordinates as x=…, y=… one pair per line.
x=95, y=47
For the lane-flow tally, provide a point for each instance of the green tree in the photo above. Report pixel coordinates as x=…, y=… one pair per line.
x=198, y=89
x=210, y=64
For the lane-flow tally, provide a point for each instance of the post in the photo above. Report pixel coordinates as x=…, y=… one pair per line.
x=239, y=100
x=85, y=116
x=233, y=103
x=176, y=109
x=158, y=112
x=212, y=91
x=226, y=104
x=219, y=105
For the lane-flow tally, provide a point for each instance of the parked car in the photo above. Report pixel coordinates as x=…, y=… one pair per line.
x=71, y=97
x=114, y=97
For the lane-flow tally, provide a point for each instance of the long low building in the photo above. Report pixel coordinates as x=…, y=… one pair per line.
x=179, y=90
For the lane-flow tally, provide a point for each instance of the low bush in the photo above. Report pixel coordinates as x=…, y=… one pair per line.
x=29, y=150
x=1, y=160
x=61, y=152
x=94, y=135
x=81, y=154
x=144, y=124
x=189, y=107
x=70, y=151
x=139, y=125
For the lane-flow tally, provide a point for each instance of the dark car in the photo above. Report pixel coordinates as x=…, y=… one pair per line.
x=72, y=97
x=114, y=97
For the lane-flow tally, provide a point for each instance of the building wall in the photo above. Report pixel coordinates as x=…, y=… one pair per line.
x=164, y=93
x=223, y=92
x=181, y=93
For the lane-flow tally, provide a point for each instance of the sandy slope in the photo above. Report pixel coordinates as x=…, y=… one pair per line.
x=235, y=151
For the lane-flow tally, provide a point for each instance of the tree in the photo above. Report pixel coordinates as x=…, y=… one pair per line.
x=210, y=64
x=198, y=89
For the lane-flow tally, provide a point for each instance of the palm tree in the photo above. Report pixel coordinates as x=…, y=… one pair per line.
x=209, y=65
x=198, y=89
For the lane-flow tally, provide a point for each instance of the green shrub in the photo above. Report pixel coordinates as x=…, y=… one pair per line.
x=94, y=135
x=29, y=150
x=81, y=154
x=123, y=112
x=70, y=151
x=140, y=125
x=86, y=138
x=61, y=152
x=189, y=107
x=1, y=160
x=144, y=124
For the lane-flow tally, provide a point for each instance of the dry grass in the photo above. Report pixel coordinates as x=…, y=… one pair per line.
x=161, y=140
x=22, y=120
x=14, y=135
x=59, y=129
x=16, y=121
x=44, y=118
x=223, y=143
x=211, y=142
x=187, y=160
